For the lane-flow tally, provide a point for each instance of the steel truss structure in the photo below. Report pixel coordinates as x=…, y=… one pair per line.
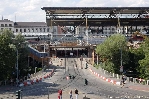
x=97, y=16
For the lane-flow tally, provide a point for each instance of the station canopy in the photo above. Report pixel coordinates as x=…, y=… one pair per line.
x=97, y=16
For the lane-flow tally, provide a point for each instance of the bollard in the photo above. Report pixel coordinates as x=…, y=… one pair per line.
x=117, y=76
x=113, y=74
x=104, y=71
x=131, y=79
x=134, y=80
x=147, y=82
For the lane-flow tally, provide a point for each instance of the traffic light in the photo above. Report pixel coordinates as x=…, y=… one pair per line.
x=18, y=94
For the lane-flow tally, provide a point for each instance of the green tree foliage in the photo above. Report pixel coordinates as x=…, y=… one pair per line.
x=143, y=68
x=135, y=56
x=110, y=52
x=7, y=56
x=8, y=46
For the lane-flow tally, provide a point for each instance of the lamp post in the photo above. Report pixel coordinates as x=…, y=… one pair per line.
x=42, y=62
x=65, y=60
x=121, y=62
x=17, y=67
x=97, y=59
x=28, y=61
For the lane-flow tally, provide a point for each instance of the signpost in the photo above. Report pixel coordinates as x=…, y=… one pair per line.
x=121, y=69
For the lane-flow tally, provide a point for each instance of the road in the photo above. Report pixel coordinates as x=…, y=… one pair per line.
x=96, y=88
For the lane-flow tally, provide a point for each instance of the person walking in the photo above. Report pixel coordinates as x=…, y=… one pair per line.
x=60, y=94
x=76, y=93
x=70, y=93
x=123, y=81
x=86, y=82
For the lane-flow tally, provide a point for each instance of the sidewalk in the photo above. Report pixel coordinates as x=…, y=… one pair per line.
x=99, y=73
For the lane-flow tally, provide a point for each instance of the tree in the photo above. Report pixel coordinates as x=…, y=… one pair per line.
x=135, y=55
x=8, y=46
x=110, y=52
x=7, y=56
x=143, y=68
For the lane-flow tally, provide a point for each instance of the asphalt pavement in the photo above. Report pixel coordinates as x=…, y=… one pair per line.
x=40, y=90
x=131, y=85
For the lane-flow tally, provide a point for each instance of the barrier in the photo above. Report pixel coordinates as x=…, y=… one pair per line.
x=36, y=80
x=104, y=78
x=129, y=79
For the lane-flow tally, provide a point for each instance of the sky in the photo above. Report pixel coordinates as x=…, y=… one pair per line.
x=30, y=10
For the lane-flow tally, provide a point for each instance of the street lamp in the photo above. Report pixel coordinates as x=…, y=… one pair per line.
x=28, y=60
x=14, y=47
x=17, y=66
x=65, y=60
x=121, y=62
x=42, y=62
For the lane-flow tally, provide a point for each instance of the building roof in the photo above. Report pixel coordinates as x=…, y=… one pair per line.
x=30, y=24
x=5, y=20
x=95, y=10
x=96, y=16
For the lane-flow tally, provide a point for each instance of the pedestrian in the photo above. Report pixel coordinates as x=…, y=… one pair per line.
x=60, y=94
x=70, y=93
x=123, y=80
x=76, y=93
x=86, y=82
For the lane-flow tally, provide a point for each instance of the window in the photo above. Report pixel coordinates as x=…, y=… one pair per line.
x=2, y=25
x=37, y=29
x=10, y=25
x=47, y=29
x=16, y=30
x=20, y=30
x=5, y=25
x=24, y=30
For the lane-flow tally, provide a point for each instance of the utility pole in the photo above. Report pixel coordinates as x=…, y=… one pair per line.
x=97, y=59
x=42, y=62
x=48, y=93
x=17, y=67
x=86, y=30
x=65, y=60
x=121, y=62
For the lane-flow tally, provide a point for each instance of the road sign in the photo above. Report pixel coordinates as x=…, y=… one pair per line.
x=121, y=68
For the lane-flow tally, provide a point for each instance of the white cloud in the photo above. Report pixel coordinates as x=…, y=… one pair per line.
x=30, y=10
